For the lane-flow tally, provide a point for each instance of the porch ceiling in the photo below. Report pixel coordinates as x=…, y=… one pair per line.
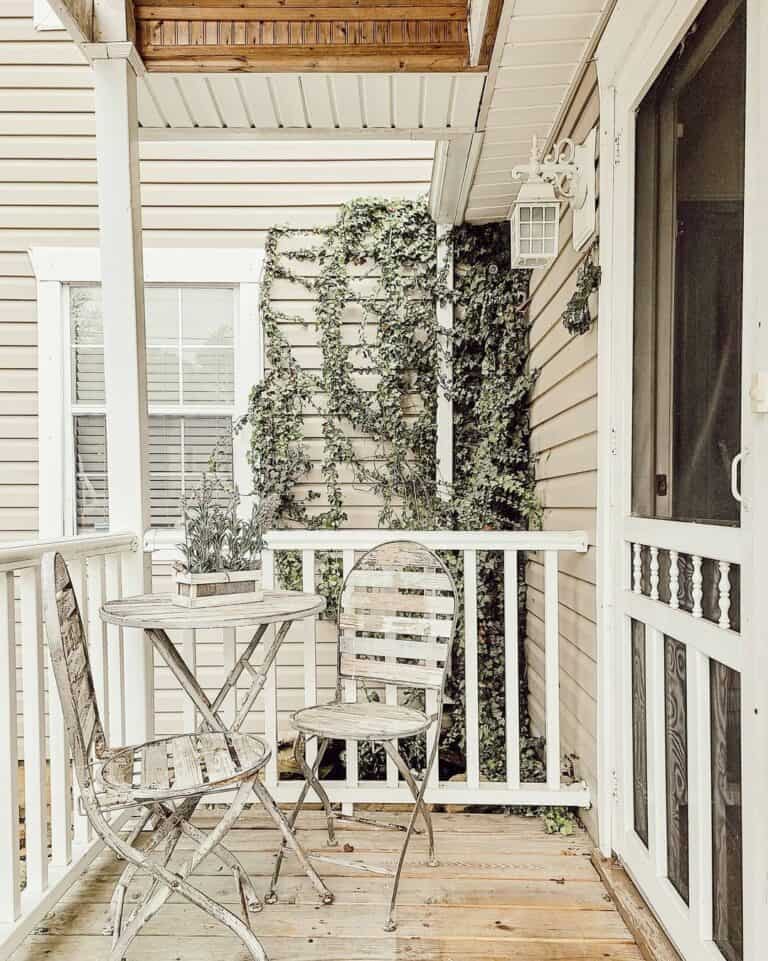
x=533, y=75
x=423, y=105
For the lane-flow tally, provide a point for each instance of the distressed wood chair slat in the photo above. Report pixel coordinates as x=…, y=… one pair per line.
x=394, y=647
x=404, y=675
x=416, y=626
x=395, y=600
x=409, y=580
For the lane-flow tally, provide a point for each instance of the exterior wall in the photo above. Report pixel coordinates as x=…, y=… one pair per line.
x=194, y=194
x=564, y=441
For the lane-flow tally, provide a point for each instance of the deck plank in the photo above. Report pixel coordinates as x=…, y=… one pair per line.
x=504, y=891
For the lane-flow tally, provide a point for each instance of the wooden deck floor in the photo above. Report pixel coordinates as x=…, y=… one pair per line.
x=504, y=891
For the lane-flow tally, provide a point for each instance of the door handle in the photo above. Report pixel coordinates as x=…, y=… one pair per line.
x=735, y=486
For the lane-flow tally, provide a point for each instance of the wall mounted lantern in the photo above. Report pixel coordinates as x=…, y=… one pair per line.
x=566, y=173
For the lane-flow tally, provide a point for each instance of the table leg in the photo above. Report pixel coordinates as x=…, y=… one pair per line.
x=260, y=676
x=167, y=649
x=240, y=665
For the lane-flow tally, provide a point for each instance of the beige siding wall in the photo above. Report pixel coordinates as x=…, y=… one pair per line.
x=193, y=194
x=564, y=441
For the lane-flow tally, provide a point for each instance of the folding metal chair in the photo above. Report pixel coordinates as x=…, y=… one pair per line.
x=395, y=629
x=162, y=781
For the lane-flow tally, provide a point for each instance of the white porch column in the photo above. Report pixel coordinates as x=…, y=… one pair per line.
x=122, y=274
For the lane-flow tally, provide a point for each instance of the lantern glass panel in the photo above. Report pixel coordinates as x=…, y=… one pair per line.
x=534, y=234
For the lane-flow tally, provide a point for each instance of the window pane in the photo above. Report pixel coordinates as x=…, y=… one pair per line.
x=88, y=375
x=676, y=744
x=161, y=310
x=727, y=894
x=208, y=376
x=207, y=444
x=689, y=260
x=91, y=505
x=639, y=733
x=207, y=315
x=162, y=375
x=85, y=315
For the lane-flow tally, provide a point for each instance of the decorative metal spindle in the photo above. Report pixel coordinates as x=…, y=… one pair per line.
x=724, y=591
x=674, y=581
x=697, y=586
x=654, y=573
x=637, y=569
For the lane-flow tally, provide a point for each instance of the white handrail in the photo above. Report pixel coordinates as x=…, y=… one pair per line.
x=365, y=538
x=17, y=555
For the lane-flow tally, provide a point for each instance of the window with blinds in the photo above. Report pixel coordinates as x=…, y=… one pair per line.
x=190, y=384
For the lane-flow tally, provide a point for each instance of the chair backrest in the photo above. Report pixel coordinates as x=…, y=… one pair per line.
x=71, y=666
x=398, y=603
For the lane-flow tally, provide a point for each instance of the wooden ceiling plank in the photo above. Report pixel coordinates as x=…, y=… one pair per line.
x=228, y=101
x=407, y=95
x=260, y=11
x=318, y=101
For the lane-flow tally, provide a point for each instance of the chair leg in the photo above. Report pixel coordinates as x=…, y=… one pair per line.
x=169, y=881
x=230, y=860
x=311, y=778
x=279, y=818
x=389, y=924
x=410, y=780
x=271, y=897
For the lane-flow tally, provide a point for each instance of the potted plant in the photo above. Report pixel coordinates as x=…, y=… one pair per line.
x=221, y=549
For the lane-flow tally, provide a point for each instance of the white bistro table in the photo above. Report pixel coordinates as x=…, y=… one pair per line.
x=156, y=614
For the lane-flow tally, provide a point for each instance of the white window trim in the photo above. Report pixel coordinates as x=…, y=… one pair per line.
x=57, y=267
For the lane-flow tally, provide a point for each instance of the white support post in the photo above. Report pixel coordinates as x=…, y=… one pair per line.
x=444, y=402
x=122, y=279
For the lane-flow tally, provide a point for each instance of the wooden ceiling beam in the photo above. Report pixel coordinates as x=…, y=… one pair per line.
x=257, y=11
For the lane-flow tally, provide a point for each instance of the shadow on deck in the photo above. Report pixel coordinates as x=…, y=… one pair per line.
x=504, y=891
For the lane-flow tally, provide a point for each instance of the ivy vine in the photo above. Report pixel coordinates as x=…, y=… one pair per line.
x=377, y=266
x=577, y=317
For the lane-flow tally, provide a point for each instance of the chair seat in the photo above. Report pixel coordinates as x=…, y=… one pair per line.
x=184, y=766
x=363, y=721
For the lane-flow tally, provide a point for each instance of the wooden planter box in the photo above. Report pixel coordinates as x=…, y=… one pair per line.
x=218, y=589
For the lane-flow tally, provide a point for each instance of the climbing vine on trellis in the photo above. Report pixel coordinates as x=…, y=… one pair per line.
x=376, y=283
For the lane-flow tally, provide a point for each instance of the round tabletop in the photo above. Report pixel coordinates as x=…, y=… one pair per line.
x=158, y=611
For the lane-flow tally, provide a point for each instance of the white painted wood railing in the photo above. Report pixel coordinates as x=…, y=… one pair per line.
x=474, y=790
x=58, y=843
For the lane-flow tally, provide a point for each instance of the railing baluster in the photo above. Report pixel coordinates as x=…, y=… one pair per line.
x=637, y=569
x=10, y=874
x=116, y=672
x=61, y=780
x=699, y=789
x=697, y=582
x=270, y=685
x=724, y=594
x=35, y=764
x=552, y=667
x=97, y=635
x=229, y=657
x=674, y=581
x=654, y=575
x=189, y=653
x=349, y=694
x=511, y=670
x=471, y=680
x=310, y=643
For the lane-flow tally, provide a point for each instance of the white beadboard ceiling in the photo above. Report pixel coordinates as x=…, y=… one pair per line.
x=420, y=104
x=532, y=72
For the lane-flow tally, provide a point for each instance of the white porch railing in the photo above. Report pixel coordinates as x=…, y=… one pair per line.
x=58, y=843
x=474, y=790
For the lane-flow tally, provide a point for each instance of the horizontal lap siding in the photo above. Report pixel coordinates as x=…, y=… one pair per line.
x=564, y=442
x=194, y=195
